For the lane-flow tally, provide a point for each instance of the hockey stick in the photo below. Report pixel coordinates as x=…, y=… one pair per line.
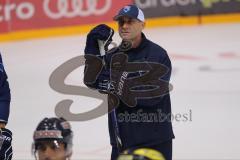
x=102, y=43
x=113, y=115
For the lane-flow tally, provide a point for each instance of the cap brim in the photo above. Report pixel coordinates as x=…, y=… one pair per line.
x=116, y=18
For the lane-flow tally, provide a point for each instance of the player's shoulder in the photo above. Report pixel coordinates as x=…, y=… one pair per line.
x=156, y=50
x=156, y=47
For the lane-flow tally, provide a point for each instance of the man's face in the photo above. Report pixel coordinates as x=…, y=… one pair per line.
x=51, y=150
x=129, y=28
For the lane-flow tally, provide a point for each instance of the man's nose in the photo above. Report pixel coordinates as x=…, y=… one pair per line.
x=47, y=153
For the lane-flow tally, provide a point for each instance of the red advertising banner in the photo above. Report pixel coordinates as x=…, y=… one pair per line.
x=3, y=23
x=16, y=15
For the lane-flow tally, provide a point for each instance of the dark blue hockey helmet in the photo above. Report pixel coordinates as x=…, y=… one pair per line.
x=53, y=129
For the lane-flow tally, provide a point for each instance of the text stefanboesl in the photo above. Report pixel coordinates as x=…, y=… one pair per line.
x=141, y=116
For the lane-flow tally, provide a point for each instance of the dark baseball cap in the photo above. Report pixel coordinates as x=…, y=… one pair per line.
x=131, y=11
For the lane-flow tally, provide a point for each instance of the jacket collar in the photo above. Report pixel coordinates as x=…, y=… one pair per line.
x=142, y=44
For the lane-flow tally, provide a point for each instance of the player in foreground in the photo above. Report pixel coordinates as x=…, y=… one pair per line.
x=52, y=140
x=5, y=134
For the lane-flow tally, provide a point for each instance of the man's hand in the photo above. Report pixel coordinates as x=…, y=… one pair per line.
x=101, y=32
x=5, y=144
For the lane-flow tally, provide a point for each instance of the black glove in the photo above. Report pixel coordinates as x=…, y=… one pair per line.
x=94, y=66
x=5, y=144
x=101, y=32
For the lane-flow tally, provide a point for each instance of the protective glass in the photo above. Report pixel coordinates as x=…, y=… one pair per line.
x=52, y=149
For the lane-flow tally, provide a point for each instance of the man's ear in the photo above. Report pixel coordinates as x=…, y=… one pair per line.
x=143, y=25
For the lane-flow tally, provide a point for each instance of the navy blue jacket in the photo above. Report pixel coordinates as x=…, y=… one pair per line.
x=4, y=94
x=145, y=123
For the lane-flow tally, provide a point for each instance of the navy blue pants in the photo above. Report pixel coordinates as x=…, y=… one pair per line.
x=165, y=148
